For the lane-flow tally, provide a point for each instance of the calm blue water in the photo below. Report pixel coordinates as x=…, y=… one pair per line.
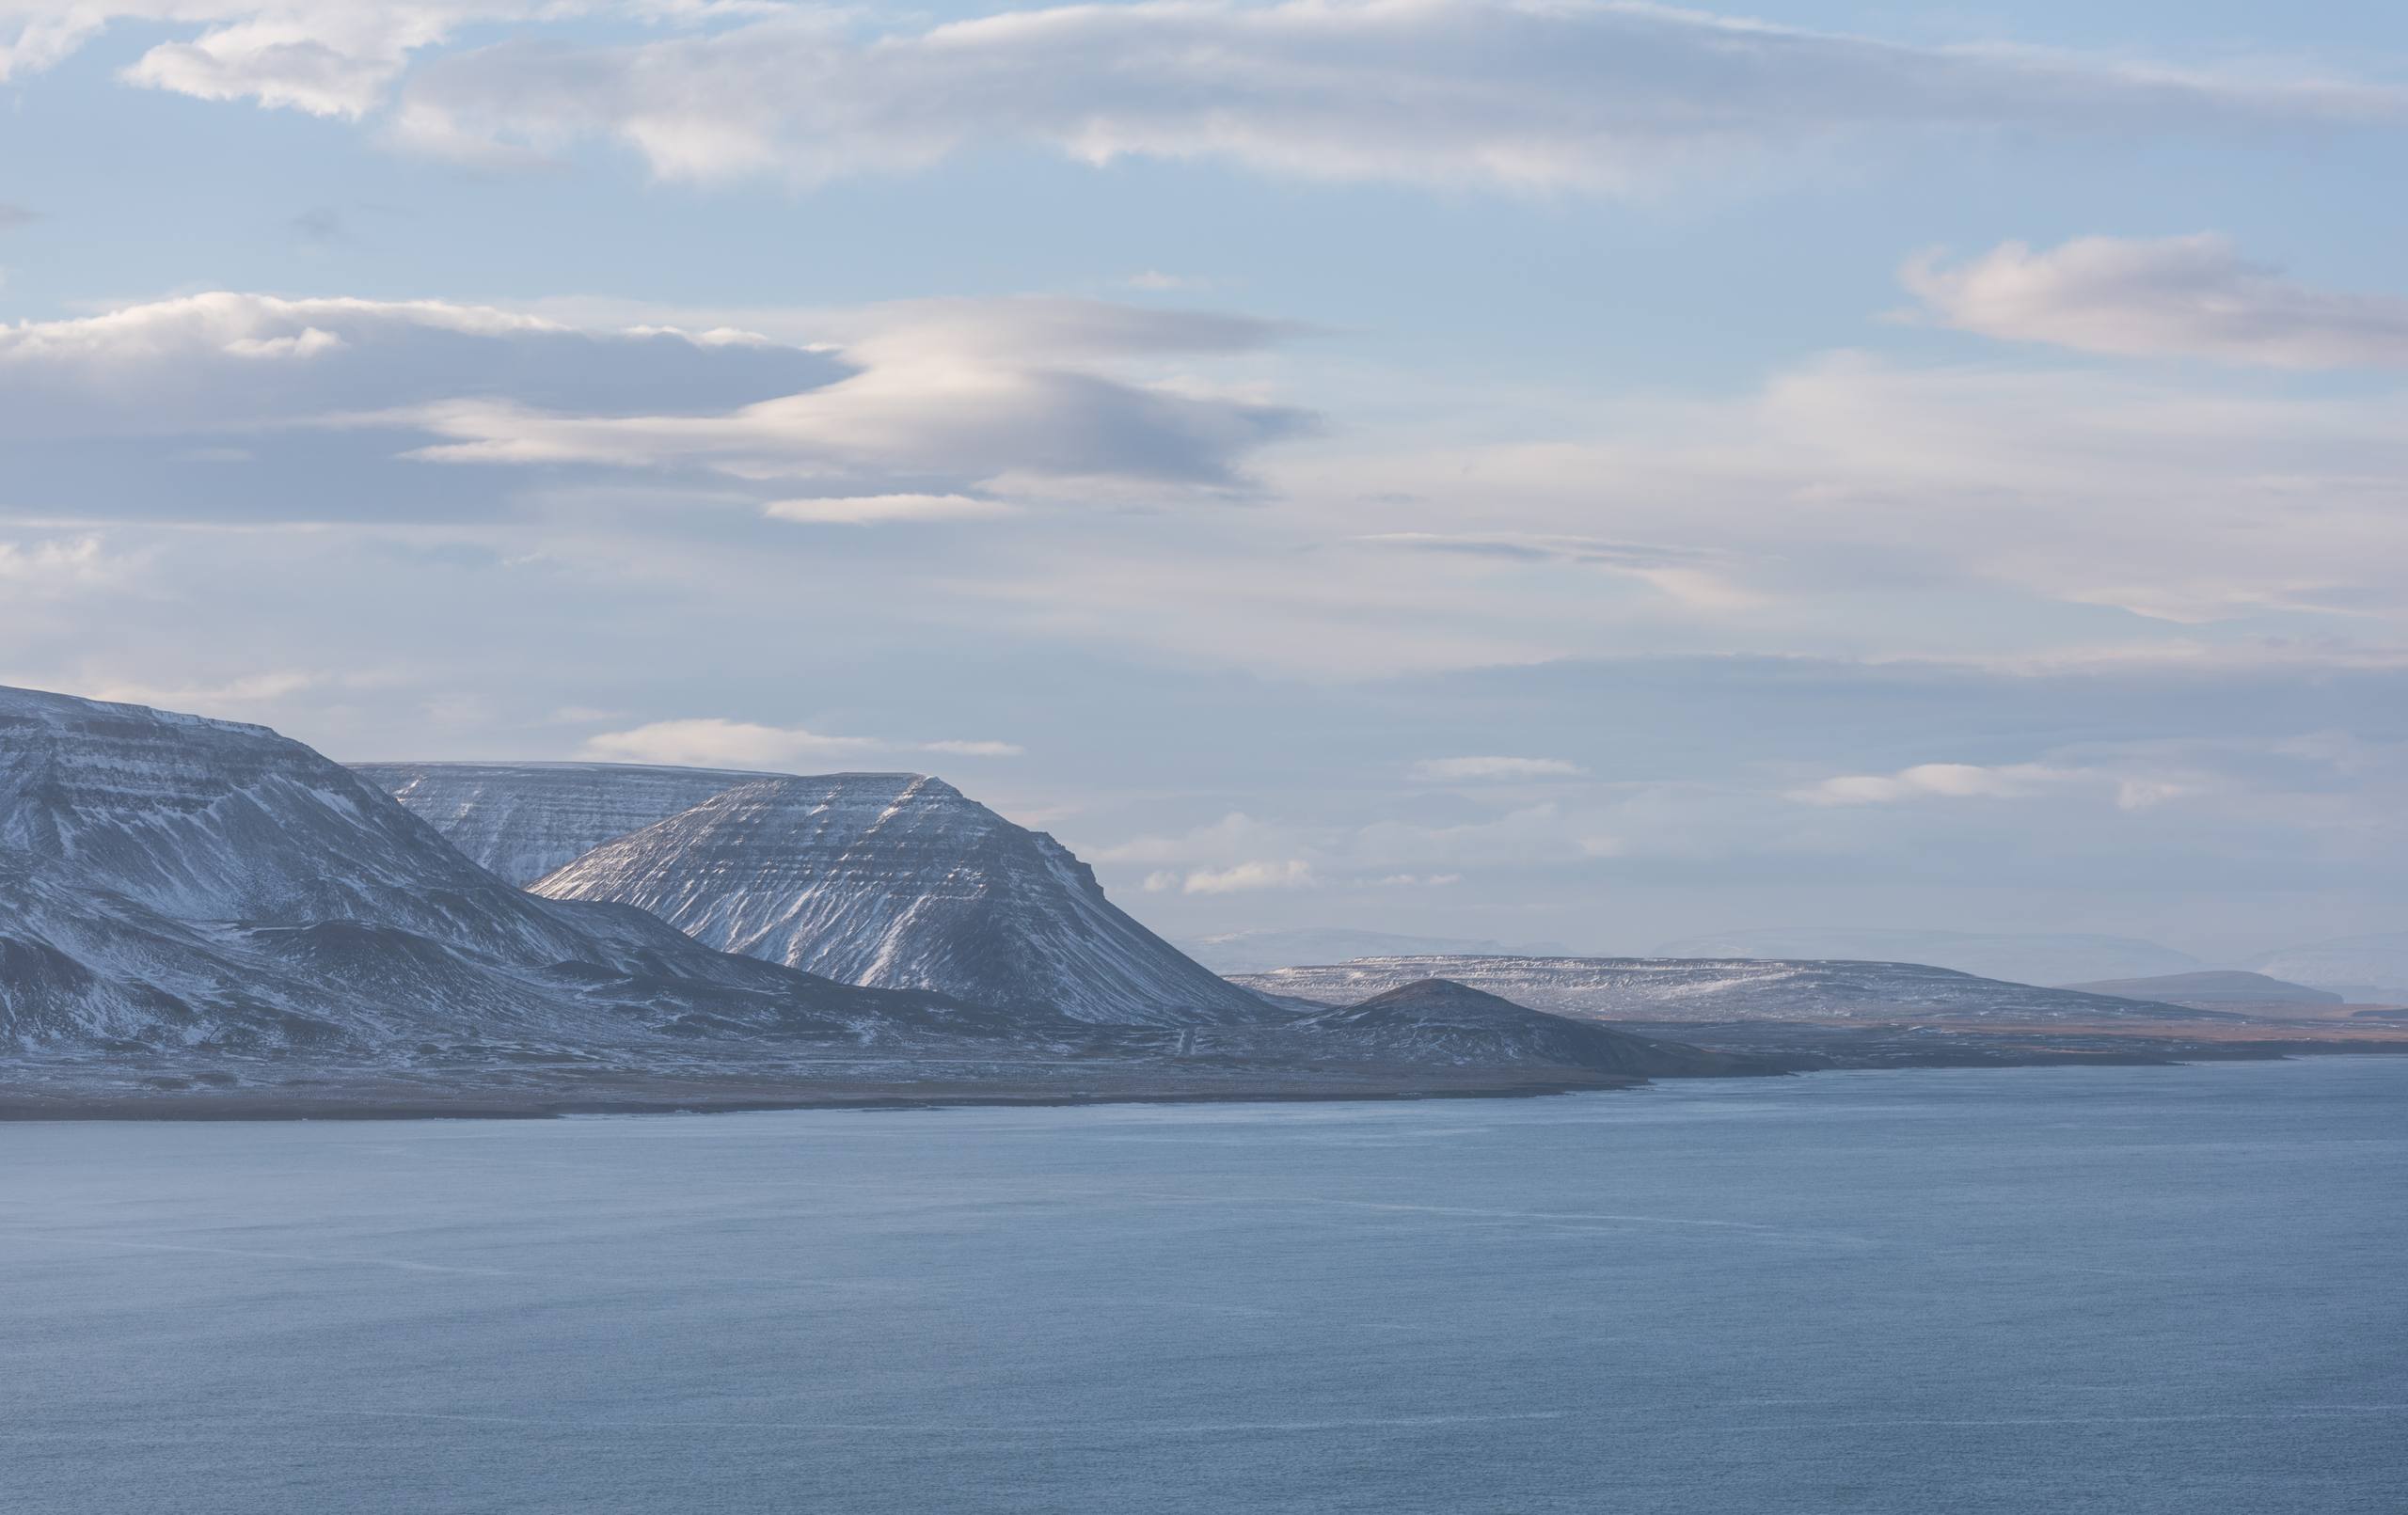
x=2022, y=1292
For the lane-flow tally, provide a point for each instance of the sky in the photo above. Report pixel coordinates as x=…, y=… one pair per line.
x=1558, y=471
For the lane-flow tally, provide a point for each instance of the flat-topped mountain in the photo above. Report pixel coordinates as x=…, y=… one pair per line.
x=1436, y=1020
x=168, y=882
x=901, y=881
x=1684, y=990
x=523, y=820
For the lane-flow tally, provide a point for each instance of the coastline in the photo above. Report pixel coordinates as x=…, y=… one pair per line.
x=370, y=1097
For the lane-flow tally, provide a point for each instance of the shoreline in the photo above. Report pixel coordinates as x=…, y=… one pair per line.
x=671, y=1096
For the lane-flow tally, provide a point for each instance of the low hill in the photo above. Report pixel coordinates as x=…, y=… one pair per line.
x=2212, y=988
x=1687, y=989
x=1436, y=1020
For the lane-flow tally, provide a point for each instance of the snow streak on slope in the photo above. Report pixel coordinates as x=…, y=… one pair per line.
x=1674, y=989
x=523, y=820
x=899, y=880
x=169, y=881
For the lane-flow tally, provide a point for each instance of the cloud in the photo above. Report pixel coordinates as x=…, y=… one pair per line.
x=325, y=57
x=1581, y=95
x=2020, y=780
x=908, y=411
x=1693, y=576
x=56, y=563
x=872, y=510
x=1928, y=780
x=1291, y=874
x=1449, y=769
x=1154, y=280
x=13, y=216
x=2191, y=296
x=1522, y=94
x=716, y=743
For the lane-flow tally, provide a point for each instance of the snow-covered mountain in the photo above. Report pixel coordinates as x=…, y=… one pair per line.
x=168, y=882
x=2017, y=956
x=523, y=820
x=1684, y=990
x=900, y=881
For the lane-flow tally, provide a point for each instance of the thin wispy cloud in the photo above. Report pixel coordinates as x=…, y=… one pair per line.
x=714, y=742
x=2190, y=297
x=1454, y=768
x=1593, y=95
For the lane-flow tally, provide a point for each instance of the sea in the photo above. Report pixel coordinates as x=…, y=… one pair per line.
x=2029, y=1291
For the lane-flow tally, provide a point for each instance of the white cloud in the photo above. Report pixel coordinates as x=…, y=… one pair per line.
x=1294, y=873
x=1928, y=781
x=245, y=696
x=1449, y=769
x=56, y=563
x=1694, y=576
x=908, y=411
x=716, y=743
x=2191, y=296
x=1528, y=94
x=1417, y=880
x=871, y=510
x=1531, y=94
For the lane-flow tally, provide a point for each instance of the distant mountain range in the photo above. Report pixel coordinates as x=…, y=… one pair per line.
x=2019, y=957
x=1679, y=989
x=1257, y=951
x=206, y=911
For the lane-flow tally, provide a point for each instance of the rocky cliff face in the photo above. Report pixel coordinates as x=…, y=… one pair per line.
x=900, y=881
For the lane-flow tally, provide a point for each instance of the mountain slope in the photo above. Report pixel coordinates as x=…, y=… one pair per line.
x=168, y=882
x=523, y=820
x=1439, y=1020
x=1677, y=989
x=900, y=881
